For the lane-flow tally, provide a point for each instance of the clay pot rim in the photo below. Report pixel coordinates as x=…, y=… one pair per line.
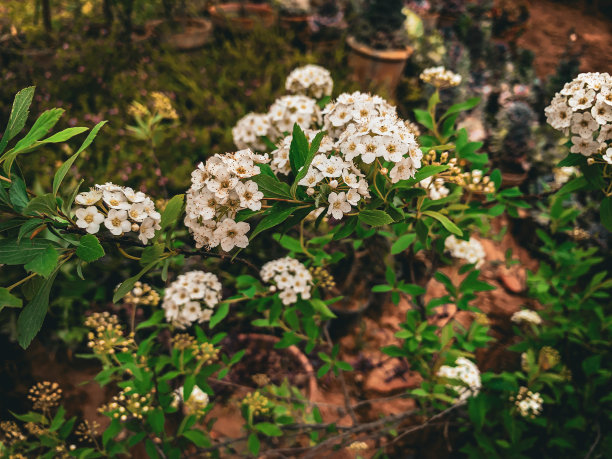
x=222, y=9
x=294, y=351
x=392, y=55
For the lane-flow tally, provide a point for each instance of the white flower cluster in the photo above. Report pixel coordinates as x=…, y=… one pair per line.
x=280, y=157
x=310, y=80
x=471, y=251
x=528, y=403
x=290, y=277
x=121, y=209
x=219, y=189
x=198, y=400
x=248, y=131
x=583, y=108
x=440, y=77
x=191, y=298
x=289, y=110
x=341, y=175
x=350, y=108
x=526, y=315
x=465, y=371
x=563, y=174
x=435, y=188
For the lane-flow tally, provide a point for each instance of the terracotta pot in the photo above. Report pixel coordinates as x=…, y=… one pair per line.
x=241, y=18
x=293, y=351
x=193, y=33
x=510, y=179
x=383, y=68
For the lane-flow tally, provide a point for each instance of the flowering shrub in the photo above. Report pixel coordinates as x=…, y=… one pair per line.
x=309, y=176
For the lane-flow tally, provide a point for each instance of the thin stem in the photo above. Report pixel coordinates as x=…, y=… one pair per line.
x=25, y=279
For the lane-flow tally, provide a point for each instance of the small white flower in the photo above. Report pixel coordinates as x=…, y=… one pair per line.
x=232, y=234
x=134, y=196
x=607, y=156
x=250, y=196
x=88, y=198
x=117, y=222
x=89, y=218
x=147, y=230
x=526, y=315
x=116, y=200
x=338, y=205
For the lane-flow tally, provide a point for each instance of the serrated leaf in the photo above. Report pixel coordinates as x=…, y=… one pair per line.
x=12, y=253
x=33, y=315
x=151, y=254
x=45, y=204
x=18, y=116
x=18, y=194
x=89, y=248
x=44, y=262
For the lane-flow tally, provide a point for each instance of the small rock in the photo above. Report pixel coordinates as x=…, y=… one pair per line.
x=512, y=279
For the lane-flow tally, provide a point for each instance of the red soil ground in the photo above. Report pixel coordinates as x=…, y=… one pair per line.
x=550, y=26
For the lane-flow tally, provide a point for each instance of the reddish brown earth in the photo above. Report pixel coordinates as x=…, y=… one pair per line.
x=549, y=29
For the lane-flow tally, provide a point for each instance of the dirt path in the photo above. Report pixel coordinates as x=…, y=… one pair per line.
x=550, y=26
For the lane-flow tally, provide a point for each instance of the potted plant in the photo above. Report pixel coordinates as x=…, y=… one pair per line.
x=241, y=16
x=293, y=15
x=179, y=30
x=378, y=47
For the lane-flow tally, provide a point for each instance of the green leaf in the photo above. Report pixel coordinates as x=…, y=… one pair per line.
x=172, y=211
x=64, y=168
x=253, y=444
x=271, y=187
x=45, y=204
x=403, y=243
x=605, y=212
x=314, y=148
x=8, y=300
x=128, y=284
x=89, y=248
x=151, y=254
x=197, y=437
x=276, y=216
x=12, y=253
x=298, y=151
x=219, y=315
x=446, y=223
x=33, y=315
x=375, y=217
x=462, y=106
x=28, y=228
x=18, y=194
x=423, y=117
x=288, y=242
x=19, y=115
x=320, y=307
x=31, y=416
x=269, y=429
x=44, y=262
x=156, y=420
x=573, y=185
x=42, y=125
